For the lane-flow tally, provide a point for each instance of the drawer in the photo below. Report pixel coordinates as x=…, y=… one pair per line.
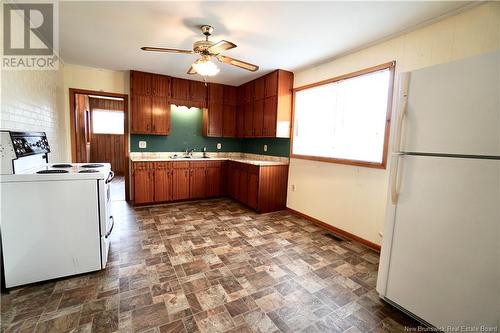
x=143, y=165
x=163, y=165
x=214, y=164
x=198, y=164
x=180, y=165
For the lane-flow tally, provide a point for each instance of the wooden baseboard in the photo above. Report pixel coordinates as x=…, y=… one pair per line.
x=336, y=230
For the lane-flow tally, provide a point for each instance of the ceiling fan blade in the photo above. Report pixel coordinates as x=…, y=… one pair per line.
x=221, y=46
x=238, y=63
x=191, y=70
x=163, y=49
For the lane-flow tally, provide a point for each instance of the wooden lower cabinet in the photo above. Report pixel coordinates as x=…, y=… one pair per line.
x=214, y=179
x=262, y=188
x=143, y=183
x=197, y=180
x=180, y=180
x=162, y=182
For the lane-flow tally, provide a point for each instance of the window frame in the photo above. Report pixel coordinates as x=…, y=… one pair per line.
x=105, y=110
x=382, y=165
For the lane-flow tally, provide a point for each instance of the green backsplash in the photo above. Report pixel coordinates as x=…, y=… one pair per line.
x=185, y=132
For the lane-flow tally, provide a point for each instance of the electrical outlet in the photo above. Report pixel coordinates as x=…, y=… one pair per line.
x=142, y=144
x=219, y=145
x=265, y=147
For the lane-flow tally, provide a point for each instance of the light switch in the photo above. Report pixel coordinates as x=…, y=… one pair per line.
x=265, y=147
x=142, y=144
x=219, y=145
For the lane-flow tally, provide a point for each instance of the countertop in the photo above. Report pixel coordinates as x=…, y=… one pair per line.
x=240, y=160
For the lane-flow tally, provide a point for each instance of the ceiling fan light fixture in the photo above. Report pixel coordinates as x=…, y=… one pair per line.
x=205, y=67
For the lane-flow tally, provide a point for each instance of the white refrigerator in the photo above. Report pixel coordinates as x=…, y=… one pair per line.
x=440, y=258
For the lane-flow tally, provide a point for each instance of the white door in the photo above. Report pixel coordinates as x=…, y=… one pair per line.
x=454, y=108
x=445, y=257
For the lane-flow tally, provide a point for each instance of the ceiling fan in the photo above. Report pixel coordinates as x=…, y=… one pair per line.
x=207, y=49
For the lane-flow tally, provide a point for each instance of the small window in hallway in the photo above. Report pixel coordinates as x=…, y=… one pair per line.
x=107, y=121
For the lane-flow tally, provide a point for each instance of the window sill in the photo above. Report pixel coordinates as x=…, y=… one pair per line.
x=373, y=165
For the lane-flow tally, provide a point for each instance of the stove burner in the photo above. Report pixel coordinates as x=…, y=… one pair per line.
x=52, y=171
x=95, y=165
x=88, y=171
x=62, y=166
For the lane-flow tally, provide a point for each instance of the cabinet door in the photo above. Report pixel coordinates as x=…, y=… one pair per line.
x=234, y=179
x=160, y=116
x=248, y=127
x=198, y=93
x=141, y=114
x=214, y=119
x=140, y=83
x=180, y=89
x=229, y=121
x=271, y=84
x=197, y=183
x=160, y=86
x=258, y=118
x=240, y=120
x=243, y=184
x=249, y=91
x=162, y=182
x=214, y=180
x=260, y=85
x=143, y=183
x=230, y=95
x=270, y=114
x=180, y=183
x=253, y=190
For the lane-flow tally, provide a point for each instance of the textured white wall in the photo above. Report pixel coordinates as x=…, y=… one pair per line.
x=354, y=198
x=30, y=103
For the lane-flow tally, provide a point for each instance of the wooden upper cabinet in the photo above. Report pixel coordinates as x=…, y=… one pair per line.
x=258, y=118
x=269, y=117
x=260, y=85
x=229, y=121
x=249, y=92
x=140, y=83
x=248, y=116
x=160, y=85
x=271, y=84
x=198, y=93
x=215, y=93
x=141, y=114
x=230, y=95
x=180, y=89
x=162, y=182
x=240, y=120
x=160, y=116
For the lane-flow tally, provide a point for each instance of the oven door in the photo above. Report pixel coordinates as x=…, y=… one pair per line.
x=105, y=216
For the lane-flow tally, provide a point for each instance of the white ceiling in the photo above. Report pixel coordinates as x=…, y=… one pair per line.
x=287, y=35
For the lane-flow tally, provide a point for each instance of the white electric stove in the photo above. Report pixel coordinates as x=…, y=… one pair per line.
x=55, y=217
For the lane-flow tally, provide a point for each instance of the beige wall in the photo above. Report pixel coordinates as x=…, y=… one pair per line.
x=354, y=198
x=81, y=77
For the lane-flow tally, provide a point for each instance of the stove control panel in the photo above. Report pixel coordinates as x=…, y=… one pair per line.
x=26, y=144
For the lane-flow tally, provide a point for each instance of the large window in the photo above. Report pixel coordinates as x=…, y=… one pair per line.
x=107, y=121
x=345, y=119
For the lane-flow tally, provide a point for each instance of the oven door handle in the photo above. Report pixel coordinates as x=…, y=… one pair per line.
x=112, y=226
x=110, y=177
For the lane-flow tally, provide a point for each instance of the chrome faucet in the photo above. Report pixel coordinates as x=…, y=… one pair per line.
x=189, y=152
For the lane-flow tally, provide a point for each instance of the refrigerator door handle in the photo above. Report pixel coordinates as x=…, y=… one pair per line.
x=394, y=178
x=403, y=106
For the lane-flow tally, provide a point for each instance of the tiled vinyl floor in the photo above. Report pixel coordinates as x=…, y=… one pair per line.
x=212, y=266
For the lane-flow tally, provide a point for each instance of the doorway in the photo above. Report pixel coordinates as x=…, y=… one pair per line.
x=99, y=133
